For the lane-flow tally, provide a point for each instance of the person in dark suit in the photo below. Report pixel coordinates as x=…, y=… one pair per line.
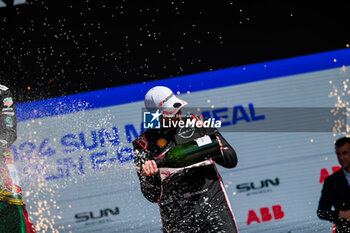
x=336, y=190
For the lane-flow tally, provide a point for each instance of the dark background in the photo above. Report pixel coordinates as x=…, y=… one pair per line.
x=52, y=48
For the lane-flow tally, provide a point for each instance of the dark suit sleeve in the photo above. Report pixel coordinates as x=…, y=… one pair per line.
x=150, y=185
x=8, y=121
x=228, y=157
x=324, y=210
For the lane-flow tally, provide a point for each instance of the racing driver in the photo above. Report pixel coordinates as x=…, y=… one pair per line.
x=192, y=198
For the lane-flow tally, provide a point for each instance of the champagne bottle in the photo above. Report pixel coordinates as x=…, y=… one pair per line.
x=189, y=153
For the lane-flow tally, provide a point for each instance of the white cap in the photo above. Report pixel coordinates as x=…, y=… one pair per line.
x=163, y=98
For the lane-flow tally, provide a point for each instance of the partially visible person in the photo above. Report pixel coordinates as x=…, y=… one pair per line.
x=13, y=213
x=336, y=190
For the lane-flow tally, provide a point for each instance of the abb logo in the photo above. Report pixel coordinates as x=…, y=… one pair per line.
x=324, y=173
x=266, y=216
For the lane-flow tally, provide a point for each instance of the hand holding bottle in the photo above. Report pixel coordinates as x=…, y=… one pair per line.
x=149, y=168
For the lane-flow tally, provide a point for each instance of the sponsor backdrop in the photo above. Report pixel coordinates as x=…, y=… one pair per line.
x=75, y=152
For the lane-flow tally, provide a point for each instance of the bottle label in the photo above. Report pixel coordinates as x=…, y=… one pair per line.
x=9, y=176
x=203, y=140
